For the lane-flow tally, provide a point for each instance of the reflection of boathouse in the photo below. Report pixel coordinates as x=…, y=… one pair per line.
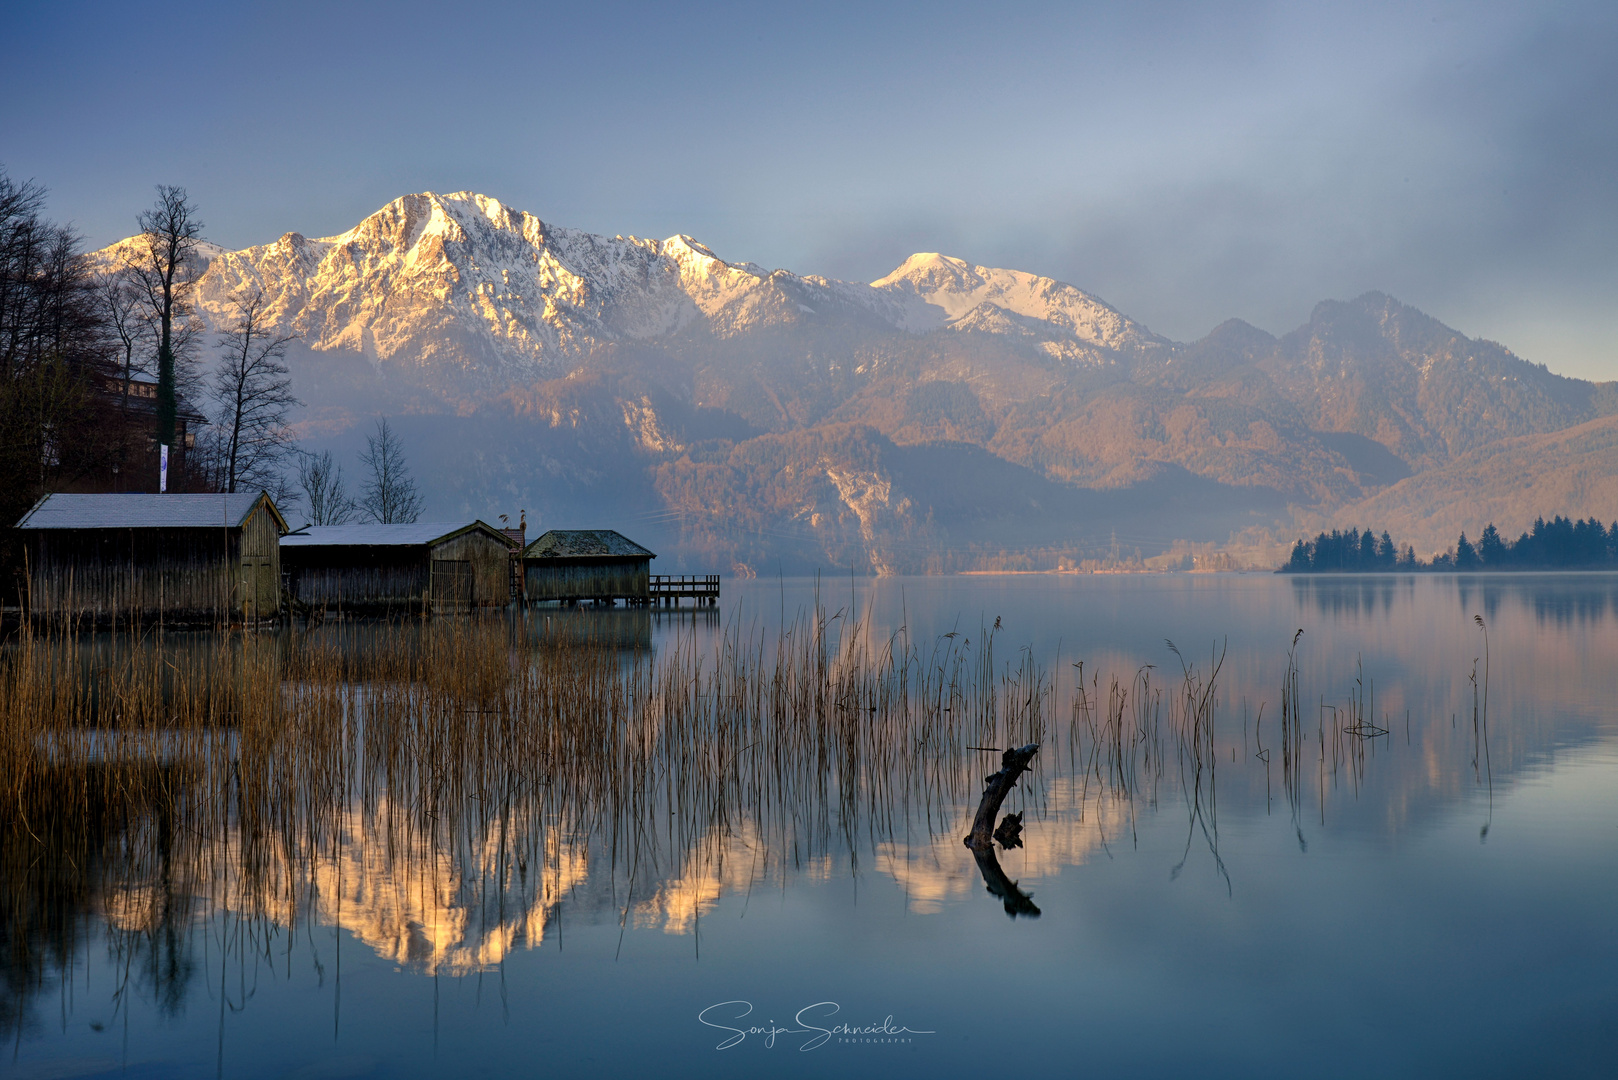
x=586, y=564
x=183, y=558
x=382, y=569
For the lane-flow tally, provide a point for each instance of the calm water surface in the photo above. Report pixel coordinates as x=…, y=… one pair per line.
x=1421, y=895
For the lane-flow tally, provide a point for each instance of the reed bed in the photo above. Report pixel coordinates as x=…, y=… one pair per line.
x=258, y=770
x=452, y=781
x=1122, y=745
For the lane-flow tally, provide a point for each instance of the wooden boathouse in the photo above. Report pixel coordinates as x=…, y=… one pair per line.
x=190, y=559
x=397, y=569
x=570, y=565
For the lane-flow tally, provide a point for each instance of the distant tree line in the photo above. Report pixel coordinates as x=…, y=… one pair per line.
x=1558, y=544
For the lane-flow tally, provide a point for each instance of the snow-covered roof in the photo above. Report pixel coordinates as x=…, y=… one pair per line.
x=412, y=534
x=576, y=543
x=136, y=511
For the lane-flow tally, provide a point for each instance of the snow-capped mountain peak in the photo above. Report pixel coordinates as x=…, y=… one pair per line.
x=952, y=289
x=464, y=280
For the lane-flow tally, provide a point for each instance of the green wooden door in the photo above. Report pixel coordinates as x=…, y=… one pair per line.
x=258, y=592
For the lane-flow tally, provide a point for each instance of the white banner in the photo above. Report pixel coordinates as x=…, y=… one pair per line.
x=163, y=470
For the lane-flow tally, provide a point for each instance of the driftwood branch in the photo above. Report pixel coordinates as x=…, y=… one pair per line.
x=1013, y=763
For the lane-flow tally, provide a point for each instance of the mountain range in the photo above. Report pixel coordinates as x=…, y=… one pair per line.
x=946, y=416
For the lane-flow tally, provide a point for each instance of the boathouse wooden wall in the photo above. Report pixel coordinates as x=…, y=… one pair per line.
x=490, y=562
x=111, y=574
x=562, y=578
x=189, y=575
x=364, y=580
x=385, y=579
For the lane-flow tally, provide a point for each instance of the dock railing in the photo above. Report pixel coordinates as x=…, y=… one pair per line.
x=669, y=588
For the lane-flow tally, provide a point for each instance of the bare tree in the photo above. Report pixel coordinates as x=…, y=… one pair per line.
x=322, y=482
x=390, y=494
x=254, y=395
x=23, y=233
x=54, y=424
x=129, y=334
x=124, y=314
x=47, y=310
x=166, y=269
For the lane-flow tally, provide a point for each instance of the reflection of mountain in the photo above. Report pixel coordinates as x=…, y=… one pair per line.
x=730, y=413
x=722, y=863
x=1067, y=832
x=1548, y=677
x=421, y=907
x=632, y=811
x=461, y=907
x=424, y=906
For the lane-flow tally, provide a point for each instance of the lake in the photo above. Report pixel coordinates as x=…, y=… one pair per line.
x=1388, y=845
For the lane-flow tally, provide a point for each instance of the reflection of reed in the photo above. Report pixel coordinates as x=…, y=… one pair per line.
x=1193, y=713
x=437, y=788
x=440, y=789
x=1480, y=725
x=1128, y=745
x=1292, y=741
x=1125, y=757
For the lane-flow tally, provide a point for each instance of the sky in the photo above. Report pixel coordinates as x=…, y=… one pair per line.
x=1188, y=163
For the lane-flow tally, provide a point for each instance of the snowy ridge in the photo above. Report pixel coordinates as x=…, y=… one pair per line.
x=463, y=281
x=953, y=292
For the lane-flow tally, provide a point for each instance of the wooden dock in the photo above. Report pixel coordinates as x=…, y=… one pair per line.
x=666, y=590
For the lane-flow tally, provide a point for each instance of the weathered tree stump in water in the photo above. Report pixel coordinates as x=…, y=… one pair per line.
x=1013, y=763
x=1010, y=831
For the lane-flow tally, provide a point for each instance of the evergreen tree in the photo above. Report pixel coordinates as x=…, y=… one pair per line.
x=1491, y=549
x=1386, y=553
x=1466, y=557
x=1561, y=542
x=1589, y=543
x=1329, y=551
